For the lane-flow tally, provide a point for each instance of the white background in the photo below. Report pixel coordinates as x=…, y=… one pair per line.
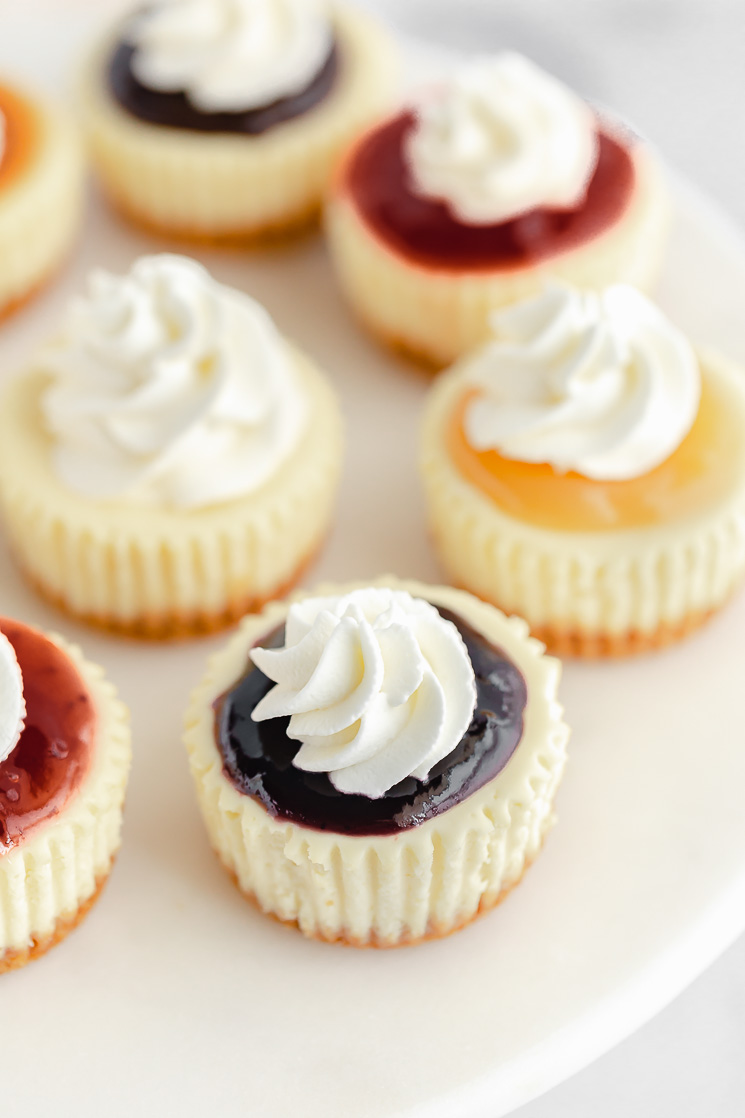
x=675, y=69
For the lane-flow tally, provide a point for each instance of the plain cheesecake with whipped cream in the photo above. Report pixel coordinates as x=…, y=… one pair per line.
x=41, y=193
x=377, y=763
x=169, y=460
x=487, y=182
x=585, y=469
x=64, y=762
x=222, y=119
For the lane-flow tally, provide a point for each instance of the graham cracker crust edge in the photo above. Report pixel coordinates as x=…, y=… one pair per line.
x=19, y=302
x=606, y=646
x=19, y=957
x=274, y=235
x=172, y=626
x=345, y=939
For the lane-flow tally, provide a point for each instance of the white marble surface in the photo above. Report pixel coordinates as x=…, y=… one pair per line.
x=674, y=68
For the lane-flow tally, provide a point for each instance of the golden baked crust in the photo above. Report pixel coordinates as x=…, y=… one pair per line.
x=273, y=234
x=576, y=644
x=347, y=939
x=173, y=626
x=13, y=958
x=20, y=302
x=601, y=646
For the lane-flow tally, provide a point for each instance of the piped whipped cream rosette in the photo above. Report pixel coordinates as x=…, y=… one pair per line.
x=600, y=383
x=500, y=138
x=170, y=460
x=378, y=685
x=397, y=778
x=231, y=55
x=223, y=119
x=12, y=702
x=167, y=386
x=486, y=183
x=585, y=469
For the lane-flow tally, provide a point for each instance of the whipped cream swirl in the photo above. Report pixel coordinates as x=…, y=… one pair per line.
x=599, y=383
x=167, y=387
x=12, y=704
x=230, y=55
x=501, y=138
x=378, y=685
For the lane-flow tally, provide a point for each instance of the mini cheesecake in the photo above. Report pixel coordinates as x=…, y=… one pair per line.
x=332, y=851
x=162, y=505
x=62, y=789
x=425, y=280
x=597, y=565
x=220, y=172
x=41, y=189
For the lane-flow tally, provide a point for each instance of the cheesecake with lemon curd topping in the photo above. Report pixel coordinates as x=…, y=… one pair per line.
x=586, y=470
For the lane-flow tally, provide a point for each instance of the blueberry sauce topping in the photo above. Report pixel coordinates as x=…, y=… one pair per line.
x=425, y=230
x=174, y=110
x=257, y=756
x=54, y=752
